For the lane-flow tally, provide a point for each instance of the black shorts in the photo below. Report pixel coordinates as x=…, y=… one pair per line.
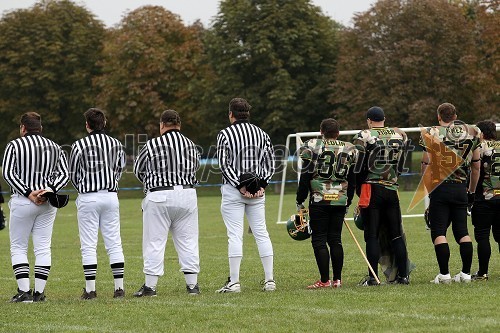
x=448, y=205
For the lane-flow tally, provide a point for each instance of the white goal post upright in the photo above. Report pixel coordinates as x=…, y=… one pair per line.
x=298, y=141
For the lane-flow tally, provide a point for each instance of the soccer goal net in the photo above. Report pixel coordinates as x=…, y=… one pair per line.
x=299, y=138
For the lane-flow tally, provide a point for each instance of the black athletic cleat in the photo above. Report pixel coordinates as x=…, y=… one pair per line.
x=38, y=297
x=368, y=281
x=477, y=277
x=119, y=293
x=88, y=295
x=145, y=291
x=193, y=291
x=402, y=280
x=22, y=297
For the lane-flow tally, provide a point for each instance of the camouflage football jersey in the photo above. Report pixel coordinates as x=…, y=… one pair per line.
x=332, y=160
x=450, y=149
x=490, y=167
x=384, y=151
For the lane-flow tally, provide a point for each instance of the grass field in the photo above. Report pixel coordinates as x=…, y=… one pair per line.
x=419, y=307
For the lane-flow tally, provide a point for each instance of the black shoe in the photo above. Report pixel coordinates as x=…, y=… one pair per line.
x=145, y=291
x=88, y=295
x=477, y=277
x=38, y=297
x=193, y=291
x=402, y=280
x=119, y=293
x=368, y=281
x=22, y=297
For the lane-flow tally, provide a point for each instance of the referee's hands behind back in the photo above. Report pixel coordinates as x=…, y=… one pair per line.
x=36, y=198
x=249, y=195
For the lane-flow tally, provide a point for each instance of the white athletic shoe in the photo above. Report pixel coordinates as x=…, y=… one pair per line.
x=442, y=279
x=229, y=287
x=269, y=285
x=462, y=277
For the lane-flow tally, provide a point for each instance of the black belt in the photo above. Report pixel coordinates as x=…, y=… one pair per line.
x=168, y=188
x=453, y=182
x=101, y=190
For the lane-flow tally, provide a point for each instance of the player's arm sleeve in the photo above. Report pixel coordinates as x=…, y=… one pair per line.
x=224, y=158
x=9, y=171
x=351, y=185
x=60, y=176
x=475, y=170
x=304, y=181
x=140, y=163
x=404, y=152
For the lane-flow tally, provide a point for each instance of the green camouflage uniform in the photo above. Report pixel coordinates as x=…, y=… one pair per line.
x=332, y=160
x=385, y=147
x=490, y=159
x=461, y=140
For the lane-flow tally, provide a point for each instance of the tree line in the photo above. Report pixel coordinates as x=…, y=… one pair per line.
x=295, y=66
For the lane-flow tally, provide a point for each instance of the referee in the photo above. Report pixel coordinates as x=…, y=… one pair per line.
x=96, y=165
x=244, y=148
x=32, y=165
x=167, y=167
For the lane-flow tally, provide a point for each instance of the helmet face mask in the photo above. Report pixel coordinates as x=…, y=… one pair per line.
x=298, y=225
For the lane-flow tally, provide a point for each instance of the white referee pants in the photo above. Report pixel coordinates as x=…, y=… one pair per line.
x=174, y=211
x=99, y=210
x=27, y=218
x=233, y=208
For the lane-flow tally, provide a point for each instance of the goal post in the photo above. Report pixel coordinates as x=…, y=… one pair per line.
x=307, y=135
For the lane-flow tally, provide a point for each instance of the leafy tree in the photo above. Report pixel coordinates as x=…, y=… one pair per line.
x=151, y=62
x=48, y=57
x=407, y=56
x=484, y=72
x=279, y=55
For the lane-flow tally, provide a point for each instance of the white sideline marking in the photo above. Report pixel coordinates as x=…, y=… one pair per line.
x=352, y=219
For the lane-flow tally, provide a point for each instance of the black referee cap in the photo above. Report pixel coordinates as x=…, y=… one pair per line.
x=56, y=200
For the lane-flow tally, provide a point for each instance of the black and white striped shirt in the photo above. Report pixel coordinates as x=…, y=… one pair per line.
x=242, y=148
x=32, y=163
x=96, y=163
x=169, y=160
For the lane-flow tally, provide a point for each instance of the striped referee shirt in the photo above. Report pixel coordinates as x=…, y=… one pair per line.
x=169, y=160
x=32, y=163
x=96, y=163
x=242, y=148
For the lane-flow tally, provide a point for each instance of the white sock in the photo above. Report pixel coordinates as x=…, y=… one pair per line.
x=234, y=268
x=267, y=262
x=23, y=284
x=89, y=285
x=40, y=285
x=118, y=283
x=191, y=279
x=151, y=281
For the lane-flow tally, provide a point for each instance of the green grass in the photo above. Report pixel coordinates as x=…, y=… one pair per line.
x=419, y=307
